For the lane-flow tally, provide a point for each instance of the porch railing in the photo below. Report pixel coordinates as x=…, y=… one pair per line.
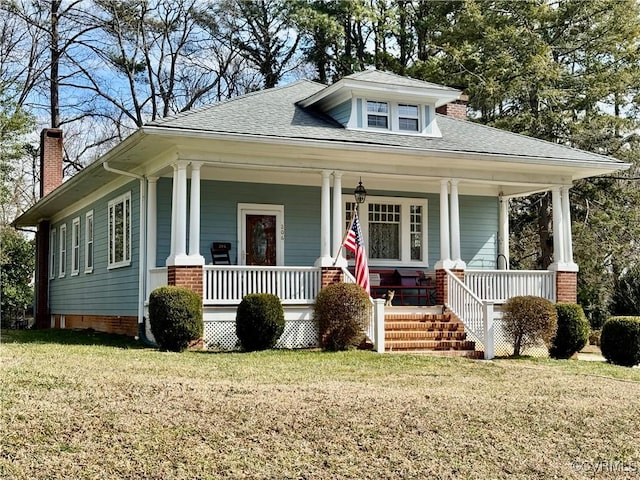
x=228, y=284
x=475, y=313
x=157, y=278
x=500, y=285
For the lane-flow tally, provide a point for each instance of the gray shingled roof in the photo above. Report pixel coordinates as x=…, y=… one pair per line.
x=388, y=78
x=274, y=113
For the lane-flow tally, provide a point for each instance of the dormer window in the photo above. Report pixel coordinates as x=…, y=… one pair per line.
x=378, y=114
x=408, y=118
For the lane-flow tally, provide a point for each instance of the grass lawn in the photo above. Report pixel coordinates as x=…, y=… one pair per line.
x=81, y=405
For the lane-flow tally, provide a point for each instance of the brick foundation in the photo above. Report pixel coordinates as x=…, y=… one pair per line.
x=186, y=276
x=121, y=325
x=441, y=284
x=567, y=287
x=331, y=275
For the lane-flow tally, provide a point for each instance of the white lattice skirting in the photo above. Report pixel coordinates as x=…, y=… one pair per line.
x=300, y=330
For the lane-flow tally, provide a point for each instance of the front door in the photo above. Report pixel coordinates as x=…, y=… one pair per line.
x=261, y=234
x=260, y=239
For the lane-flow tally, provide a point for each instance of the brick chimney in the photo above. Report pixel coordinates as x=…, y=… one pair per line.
x=50, y=160
x=456, y=109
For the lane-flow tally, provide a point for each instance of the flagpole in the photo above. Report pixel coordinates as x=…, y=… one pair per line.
x=335, y=260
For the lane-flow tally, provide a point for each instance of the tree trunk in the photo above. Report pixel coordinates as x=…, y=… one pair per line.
x=55, y=61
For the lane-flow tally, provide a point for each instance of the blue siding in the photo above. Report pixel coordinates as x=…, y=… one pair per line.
x=102, y=292
x=219, y=223
x=479, y=231
x=219, y=211
x=341, y=113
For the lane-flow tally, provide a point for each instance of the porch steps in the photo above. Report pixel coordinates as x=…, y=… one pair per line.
x=440, y=334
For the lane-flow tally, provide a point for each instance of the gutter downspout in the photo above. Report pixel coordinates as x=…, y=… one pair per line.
x=142, y=260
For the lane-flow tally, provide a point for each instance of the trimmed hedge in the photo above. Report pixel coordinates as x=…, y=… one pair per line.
x=620, y=341
x=259, y=321
x=341, y=311
x=573, y=331
x=175, y=316
x=529, y=321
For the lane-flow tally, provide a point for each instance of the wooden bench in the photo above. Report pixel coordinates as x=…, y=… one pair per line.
x=411, y=287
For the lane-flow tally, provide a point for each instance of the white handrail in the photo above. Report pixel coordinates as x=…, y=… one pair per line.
x=501, y=285
x=228, y=284
x=375, y=331
x=475, y=313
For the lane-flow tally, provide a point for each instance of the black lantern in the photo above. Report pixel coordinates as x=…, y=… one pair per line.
x=360, y=193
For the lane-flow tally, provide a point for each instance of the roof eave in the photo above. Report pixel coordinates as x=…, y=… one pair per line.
x=601, y=166
x=34, y=215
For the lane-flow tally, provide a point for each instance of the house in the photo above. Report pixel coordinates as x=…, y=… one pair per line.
x=269, y=176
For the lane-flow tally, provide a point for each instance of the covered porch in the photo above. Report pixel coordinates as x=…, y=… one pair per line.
x=444, y=227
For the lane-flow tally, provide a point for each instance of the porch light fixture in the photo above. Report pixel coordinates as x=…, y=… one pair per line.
x=360, y=193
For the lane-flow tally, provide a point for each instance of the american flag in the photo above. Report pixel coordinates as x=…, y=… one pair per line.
x=355, y=243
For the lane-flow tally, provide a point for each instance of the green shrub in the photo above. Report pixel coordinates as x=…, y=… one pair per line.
x=572, y=333
x=342, y=313
x=259, y=321
x=175, y=316
x=529, y=321
x=620, y=341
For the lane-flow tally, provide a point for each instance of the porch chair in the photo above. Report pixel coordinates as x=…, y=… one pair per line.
x=220, y=253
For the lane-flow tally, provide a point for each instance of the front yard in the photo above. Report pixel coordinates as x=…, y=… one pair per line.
x=75, y=409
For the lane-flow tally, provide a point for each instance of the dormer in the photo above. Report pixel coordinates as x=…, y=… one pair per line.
x=384, y=102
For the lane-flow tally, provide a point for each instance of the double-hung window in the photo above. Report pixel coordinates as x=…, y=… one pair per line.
x=88, y=242
x=52, y=253
x=377, y=114
x=120, y=231
x=75, y=246
x=408, y=118
x=63, y=251
x=394, y=229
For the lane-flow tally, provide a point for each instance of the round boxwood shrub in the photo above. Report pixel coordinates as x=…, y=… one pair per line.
x=259, y=321
x=620, y=341
x=529, y=321
x=175, y=316
x=573, y=331
x=342, y=311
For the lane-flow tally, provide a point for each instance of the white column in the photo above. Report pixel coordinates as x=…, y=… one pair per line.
x=152, y=221
x=325, y=221
x=503, y=234
x=445, y=257
x=174, y=214
x=194, y=216
x=455, y=226
x=179, y=227
x=338, y=225
x=558, y=231
x=570, y=265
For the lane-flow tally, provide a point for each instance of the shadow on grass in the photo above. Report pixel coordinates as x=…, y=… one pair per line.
x=69, y=337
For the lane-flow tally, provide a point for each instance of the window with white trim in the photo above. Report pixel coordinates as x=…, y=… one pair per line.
x=75, y=246
x=377, y=114
x=119, y=233
x=395, y=230
x=63, y=251
x=395, y=117
x=408, y=118
x=88, y=242
x=52, y=253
